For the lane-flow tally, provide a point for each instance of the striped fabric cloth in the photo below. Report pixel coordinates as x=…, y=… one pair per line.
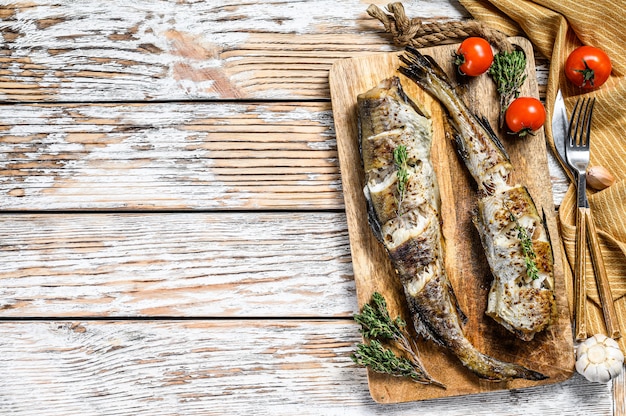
x=556, y=27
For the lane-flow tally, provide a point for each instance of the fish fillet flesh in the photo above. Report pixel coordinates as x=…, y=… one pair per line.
x=403, y=208
x=513, y=233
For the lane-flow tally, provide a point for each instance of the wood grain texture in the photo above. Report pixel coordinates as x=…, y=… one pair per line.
x=220, y=108
x=174, y=50
x=466, y=266
x=227, y=367
x=619, y=394
x=218, y=156
x=169, y=156
x=182, y=265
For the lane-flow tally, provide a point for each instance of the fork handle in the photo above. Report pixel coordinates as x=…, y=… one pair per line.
x=602, y=281
x=580, y=292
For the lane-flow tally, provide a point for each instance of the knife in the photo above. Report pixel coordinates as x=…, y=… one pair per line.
x=560, y=125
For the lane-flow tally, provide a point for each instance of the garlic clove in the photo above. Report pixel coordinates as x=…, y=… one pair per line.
x=614, y=354
x=614, y=371
x=603, y=375
x=599, y=178
x=581, y=365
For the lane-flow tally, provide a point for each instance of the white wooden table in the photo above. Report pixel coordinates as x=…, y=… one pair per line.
x=172, y=230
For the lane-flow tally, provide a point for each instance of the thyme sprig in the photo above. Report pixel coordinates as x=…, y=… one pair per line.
x=400, y=159
x=376, y=323
x=383, y=360
x=377, y=327
x=527, y=249
x=507, y=72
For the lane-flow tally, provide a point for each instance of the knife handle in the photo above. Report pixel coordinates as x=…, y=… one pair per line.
x=580, y=293
x=602, y=281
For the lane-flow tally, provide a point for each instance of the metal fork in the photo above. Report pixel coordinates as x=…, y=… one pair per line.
x=577, y=154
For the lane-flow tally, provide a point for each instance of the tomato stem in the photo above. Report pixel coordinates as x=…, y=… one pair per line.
x=459, y=59
x=526, y=131
x=587, y=73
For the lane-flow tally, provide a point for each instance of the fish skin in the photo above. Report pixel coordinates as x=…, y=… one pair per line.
x=522, y=305
x=412, y=235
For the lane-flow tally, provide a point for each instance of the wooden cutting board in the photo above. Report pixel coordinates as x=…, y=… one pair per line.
x=551, y=352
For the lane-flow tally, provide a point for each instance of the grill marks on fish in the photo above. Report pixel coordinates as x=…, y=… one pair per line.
x=522, y=304
x=411, y=234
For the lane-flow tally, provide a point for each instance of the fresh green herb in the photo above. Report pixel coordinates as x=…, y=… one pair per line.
x=527, y=249
x=377, y=326
x=507, y=72
x=400, y=158
x=376, y=323
x=383, y=360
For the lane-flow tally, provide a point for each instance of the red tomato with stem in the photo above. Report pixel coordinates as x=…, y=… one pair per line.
x=525, y=115
x=474, y=56
x=588, y=67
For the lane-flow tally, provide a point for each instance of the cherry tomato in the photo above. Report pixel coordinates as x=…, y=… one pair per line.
x=525, y=115
x=474, y=56
x=588, y=67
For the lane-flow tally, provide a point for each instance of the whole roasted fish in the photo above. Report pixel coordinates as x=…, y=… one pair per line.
x=403, y=205
x=513, y=234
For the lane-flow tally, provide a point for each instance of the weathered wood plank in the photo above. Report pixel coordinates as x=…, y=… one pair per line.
x=227, y=367
x=619, y=394
x=146, y=50
x=172, y=156
x=169, y=156
x=182, y=265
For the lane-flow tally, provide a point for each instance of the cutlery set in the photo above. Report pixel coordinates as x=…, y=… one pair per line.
x=572, y=142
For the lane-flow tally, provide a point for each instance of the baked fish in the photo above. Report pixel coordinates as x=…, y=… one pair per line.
x=403, y=206
x=514, y=236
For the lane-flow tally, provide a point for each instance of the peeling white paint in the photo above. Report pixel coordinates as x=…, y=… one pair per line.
x=181, y=263
x=250, y=367
x=156, y=155
x=136, y=44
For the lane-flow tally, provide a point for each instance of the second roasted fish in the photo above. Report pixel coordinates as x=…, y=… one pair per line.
x=514, y=235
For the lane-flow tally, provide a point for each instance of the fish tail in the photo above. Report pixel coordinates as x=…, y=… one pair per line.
x=417, y=65
x=492, y=369
x=420, y=67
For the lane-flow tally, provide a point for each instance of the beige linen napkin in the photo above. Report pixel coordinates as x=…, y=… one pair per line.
x=556, y=27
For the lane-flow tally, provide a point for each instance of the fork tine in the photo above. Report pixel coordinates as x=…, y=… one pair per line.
x=572, y=125
x=580, y=123
x=585, y=139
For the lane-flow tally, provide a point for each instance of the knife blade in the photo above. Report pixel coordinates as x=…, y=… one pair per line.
x=560, y=124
